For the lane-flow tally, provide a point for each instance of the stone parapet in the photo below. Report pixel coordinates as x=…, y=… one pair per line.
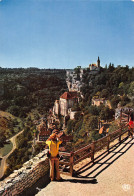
x=24, y=181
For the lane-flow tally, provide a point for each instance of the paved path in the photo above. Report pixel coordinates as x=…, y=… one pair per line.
x=3, y=161
x=112, y=175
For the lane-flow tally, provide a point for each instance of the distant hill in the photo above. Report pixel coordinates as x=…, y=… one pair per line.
x=25, y=90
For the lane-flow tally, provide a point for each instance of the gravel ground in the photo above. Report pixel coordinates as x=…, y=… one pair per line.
x=112, y=175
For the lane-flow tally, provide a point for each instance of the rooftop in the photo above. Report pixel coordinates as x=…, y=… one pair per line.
x=69, y=95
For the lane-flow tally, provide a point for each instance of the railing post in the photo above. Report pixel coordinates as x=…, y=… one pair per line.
x=128, y=115
x=71, y=163
x=120, y=135
x=120, y=117
x=92, y=151
x=128, y=132
x=108, y=142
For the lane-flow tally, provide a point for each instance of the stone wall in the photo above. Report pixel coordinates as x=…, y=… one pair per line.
x=29, y=179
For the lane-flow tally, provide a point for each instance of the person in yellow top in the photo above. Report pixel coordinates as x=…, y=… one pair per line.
x=53, y=142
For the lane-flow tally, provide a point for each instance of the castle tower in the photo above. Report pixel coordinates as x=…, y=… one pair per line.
x=98, y=62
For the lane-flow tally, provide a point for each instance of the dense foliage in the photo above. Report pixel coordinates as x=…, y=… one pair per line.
x=27, y=94
x=23, y=90
x=116, y=85
x=9, y=126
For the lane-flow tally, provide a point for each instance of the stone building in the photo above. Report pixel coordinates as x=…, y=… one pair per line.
x=95, y=67
x=66, y=101
x=56, y=107
x=101, y=101
x=98, y=101
x=43, y=131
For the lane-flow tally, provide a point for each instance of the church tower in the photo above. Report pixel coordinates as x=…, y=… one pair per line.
x=98, y=62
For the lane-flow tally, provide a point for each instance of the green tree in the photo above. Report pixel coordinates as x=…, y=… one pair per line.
x=124, y=100
x=106, y=113
x=2, y=138
x=114, y=101
x=69, y=126
x=14, y=110
x=105, y=93
x=94, y=110
x=131, y=89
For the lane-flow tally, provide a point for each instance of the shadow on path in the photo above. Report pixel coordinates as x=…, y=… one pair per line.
x=104, y=160
x=83, y=181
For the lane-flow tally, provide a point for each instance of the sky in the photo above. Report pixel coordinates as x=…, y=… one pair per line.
x=66, y=33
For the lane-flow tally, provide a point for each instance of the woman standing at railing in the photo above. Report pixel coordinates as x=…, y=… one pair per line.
x=131, y=124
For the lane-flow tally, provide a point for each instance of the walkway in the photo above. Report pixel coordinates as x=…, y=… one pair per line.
x=3, y=161
x=111, y=175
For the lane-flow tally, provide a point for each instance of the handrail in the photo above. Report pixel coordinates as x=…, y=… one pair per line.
x=124, y=114
x=101, y=139
x=123, y=118
x=82, y=149
x=65, y=154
